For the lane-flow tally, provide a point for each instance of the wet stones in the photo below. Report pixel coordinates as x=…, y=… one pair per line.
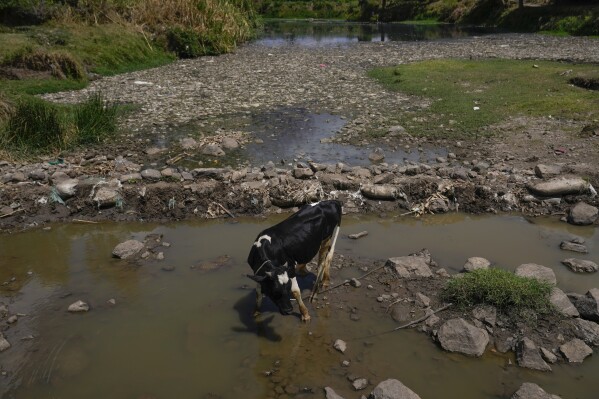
x=331, y=394
x=575, y=351
x=151, y=174
x=529, y=356
x=66, y=188
x=583, y=214
x=475, y=263
x=586, y=330
x=380, y=192
x=529, y=390
x=574, y=246
x=356, y=236
x=302, y=173
x=78, y=307
x=559, y=186
x=212, y=150
x=359, y=384
x=587, y=305
x=127, y=249
x=392, y=389
x=410, y=266
x=457, y=335
x=562, y=304
x=538, y=272
x=340, y=345
x=377, y=155
x=4, y=344
x=580, y=265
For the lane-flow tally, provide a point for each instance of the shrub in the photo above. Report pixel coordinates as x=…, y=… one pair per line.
x=498, y=288
x=95, y=120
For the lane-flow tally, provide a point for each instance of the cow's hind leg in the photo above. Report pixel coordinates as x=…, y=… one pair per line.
x=259, y=297
x=321, y=270
x=297, y=294
x=329, y=250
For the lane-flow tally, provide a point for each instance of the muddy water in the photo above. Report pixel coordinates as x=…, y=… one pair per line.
x=188, y=333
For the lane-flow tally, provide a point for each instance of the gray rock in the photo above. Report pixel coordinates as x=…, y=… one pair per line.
x=377, y=155
x=423, y=300
x=529, y=356
x=212, y=173
x=106, y=197
x=355, y=283
x=38, y=175
x=547, y=171
x=379, y=192
x=583, y=214
x=340, y=345
x=529, y=390
x=66, y=188
x=213, y=150
x=78, y=307
x=331, y=394
x=438, y=205
x=587, y=305
x=229, y=143
x=302, y=173
x=559, y=186
x=360, y=383
x=575, y=351
x=358, y=235
x=586, y=330
x=188, y=143
x=4, y=344
x=151, y=174
x=574, y=247
x=12, y=319
x=392, y=389
x=457, y=335
x=475, y=263
x=154, y=151
x=580, y=265
x=410, y=266
x=485, y=313
x=396, y=130
x=130, y=177
x=548, y=356
x=538, y=272
x=562, y=304
x=127, y=249
x=361, y=172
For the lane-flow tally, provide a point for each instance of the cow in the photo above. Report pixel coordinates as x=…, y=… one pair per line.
x=283, y=250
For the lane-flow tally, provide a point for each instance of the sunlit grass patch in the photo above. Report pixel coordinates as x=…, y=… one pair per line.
x=467, y=95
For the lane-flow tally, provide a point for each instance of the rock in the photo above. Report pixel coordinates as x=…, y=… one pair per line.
x=586, y=330
x=38, y=175
x=213, y=150
x=538, y=272
x=377, y=155
x=485, y=313
x=66, y=188
x=548, y=356
x=106, y=197
x=575, y=351
x=392, y=389
x=475, y=263
x=529, y=356
x=130, y=177
x=154, y=151
x=580, y=265
x=379, y=192
x=562, y=304
x=410, y=266
x=358, y=235
x=360, y=383
x=12, y=319
x=302, y=173
x=529, y=390
x=211, y=173
x=547, y=171
x=340, y=182
x=111, y=301
x=573, y=246
x=331, y=394
x=355, y=283
x=229, y=143
x=4, y=344
x=151, y=174
x=396, y=130
x=78, y=307
x=340, y=345
x=188, y=143
x=583, y=214
x=127, y=249
x=587, y=305
x=457, y=335
x=559, y=186
x=423, y=299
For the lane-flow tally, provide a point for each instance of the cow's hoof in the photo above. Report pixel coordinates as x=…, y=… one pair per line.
x=306, y=318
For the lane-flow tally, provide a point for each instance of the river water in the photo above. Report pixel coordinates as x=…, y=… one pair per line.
x=188, y=333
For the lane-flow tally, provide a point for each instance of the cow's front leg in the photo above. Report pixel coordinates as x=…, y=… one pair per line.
x=297, y=294
x=259, y=297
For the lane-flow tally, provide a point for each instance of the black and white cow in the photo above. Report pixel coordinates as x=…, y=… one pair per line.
x=284, y=249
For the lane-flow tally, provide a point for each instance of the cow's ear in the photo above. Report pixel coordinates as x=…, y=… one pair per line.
x=269, y=274
x=257, y=279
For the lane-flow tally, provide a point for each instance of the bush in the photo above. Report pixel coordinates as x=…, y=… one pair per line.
x=498, y=288
x=95, y=120
x=184, y=42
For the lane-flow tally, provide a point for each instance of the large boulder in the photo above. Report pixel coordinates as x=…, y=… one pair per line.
x=562, y=304
x=538, y=272
x=457, y=335
x=127, y=249
x=475, y=263
x=559, y=186
x=392, y=389
x=529, y=356
x=575, y=351
x=586, y=330
x=529, y=390
x=587, y=305
x=583, y=214
x=581, y=265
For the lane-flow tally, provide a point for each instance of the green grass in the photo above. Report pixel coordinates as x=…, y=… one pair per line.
x=499, y=288
x=499, y=88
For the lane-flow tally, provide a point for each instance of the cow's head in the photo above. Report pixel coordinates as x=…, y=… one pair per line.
x=276, y=285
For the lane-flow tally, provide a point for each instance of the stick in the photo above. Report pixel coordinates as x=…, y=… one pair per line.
x=224, y=209
x=426, y=316
x=11, y=213
x=84, y=221
x=177, y=158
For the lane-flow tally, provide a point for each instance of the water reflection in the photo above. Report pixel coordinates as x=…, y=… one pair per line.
x=319, y=33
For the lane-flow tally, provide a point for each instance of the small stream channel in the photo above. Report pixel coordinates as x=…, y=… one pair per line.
x=188, y=333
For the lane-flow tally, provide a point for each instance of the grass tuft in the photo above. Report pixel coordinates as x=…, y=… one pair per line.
x=95, y=120
x=60, y=64
x=499, y=288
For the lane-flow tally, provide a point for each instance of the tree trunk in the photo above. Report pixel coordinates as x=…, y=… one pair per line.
x=520, y=3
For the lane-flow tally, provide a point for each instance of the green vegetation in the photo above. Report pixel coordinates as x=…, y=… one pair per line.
x=467, y=96
x=319, y=9
x=498, y=288
x=37, y=126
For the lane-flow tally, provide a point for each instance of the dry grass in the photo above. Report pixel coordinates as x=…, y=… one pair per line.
x=61, y=64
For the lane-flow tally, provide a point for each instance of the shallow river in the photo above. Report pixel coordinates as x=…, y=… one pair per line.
x=188, y=333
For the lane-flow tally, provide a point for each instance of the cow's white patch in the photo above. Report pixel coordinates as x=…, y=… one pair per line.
x=258, y=242
x=283, y=278
x=315, y=203
x=294, y=286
